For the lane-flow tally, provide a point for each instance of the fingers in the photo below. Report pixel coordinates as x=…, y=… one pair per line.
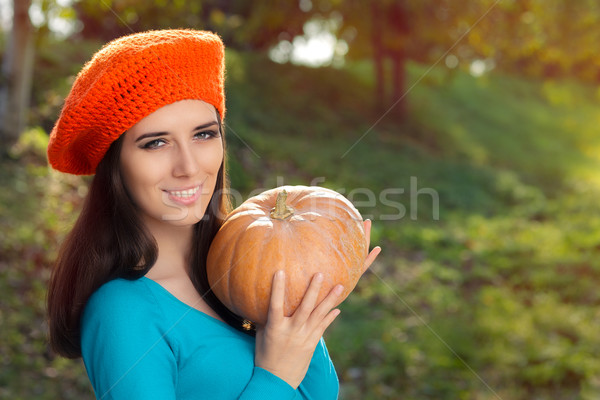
x=367, y=226
x=325, y=322
x=277, y=297
x=310, y=298
x=316, y=318
x=327, y=304
x=370, y=258
x=323, y=315
x=375, y=252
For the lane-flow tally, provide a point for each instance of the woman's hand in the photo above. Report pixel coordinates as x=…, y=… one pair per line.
x=375, y=252
x=285, y=345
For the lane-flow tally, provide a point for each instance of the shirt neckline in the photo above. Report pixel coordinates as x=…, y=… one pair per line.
x=187, y=306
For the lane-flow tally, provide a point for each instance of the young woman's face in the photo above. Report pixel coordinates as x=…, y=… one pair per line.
x=170, y=161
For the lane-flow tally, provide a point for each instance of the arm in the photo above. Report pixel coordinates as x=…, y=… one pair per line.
x=320, y=381
x=266, y=386
x=125, y=354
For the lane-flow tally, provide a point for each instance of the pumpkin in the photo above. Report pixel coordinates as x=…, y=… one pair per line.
x=302, y=230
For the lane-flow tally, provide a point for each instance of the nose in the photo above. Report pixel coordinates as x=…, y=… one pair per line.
x=185, y=161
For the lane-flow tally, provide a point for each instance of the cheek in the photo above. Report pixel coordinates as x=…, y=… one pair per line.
x=212, y=157
x=139, y=174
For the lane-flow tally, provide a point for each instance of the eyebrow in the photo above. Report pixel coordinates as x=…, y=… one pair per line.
x=157, y=134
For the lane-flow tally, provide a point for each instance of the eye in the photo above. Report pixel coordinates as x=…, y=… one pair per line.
x=153, y=144
x=205, y=135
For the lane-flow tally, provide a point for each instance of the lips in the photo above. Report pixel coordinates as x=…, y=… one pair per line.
x=185, y=196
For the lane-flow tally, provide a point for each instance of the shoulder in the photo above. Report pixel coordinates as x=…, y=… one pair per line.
x=121, y=299
x=124, y=345
x=118, y=291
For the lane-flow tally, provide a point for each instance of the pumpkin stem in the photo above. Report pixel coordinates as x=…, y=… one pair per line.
x=281, y=210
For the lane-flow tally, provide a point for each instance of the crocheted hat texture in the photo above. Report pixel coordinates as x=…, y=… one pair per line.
x=128, y=79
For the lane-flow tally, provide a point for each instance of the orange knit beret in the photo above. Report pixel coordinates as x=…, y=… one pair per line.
x=128, y=79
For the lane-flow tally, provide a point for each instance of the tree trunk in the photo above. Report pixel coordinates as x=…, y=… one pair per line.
x=378, y=55
x=398, y=78
x=17, y=74
x=399, y=31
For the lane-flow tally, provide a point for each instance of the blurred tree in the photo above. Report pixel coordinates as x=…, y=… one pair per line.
x=535, y=37
x=262, y=24
x=388, y=31
x=538, y=38
x=543, y=38
x=255, y=25
x=391, y=18
x=547, y=38
x=17, y=71
x=114, y=18
x=394, y=31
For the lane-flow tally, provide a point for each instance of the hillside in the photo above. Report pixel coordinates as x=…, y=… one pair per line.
x=497, y=297
x=490, y=295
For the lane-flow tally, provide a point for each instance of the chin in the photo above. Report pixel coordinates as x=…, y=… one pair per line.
x=175, y=221
x=185, y=217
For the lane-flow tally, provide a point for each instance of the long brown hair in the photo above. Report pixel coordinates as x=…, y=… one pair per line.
x=109, y=241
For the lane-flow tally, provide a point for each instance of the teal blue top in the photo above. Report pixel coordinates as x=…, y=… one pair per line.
x=138, y=341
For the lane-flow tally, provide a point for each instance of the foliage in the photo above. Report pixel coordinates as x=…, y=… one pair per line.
x=544, y=38
x=549, y=38
x=536, y=38
x=497, y=298
x=36, y=208
x=242, y=24
x=57, y=65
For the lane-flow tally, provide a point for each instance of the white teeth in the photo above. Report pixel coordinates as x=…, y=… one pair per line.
x=185, y=193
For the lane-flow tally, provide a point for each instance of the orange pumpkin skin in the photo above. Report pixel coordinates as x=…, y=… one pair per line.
x=325, y=234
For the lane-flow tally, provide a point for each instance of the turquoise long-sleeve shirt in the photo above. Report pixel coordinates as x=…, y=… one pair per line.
x=138, y=341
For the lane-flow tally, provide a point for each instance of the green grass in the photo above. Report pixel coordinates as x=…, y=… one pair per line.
x=495, y=299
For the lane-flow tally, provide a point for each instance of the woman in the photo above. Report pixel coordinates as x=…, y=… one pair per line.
x=129, y=291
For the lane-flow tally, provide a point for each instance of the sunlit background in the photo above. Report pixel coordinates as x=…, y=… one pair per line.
x=467, y=130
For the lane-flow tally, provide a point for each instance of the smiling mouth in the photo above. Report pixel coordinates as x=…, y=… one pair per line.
x=184, y=194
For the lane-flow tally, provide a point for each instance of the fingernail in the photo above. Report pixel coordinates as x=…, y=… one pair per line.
x=339, y=289
x=280, y=273
x=318, y=277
